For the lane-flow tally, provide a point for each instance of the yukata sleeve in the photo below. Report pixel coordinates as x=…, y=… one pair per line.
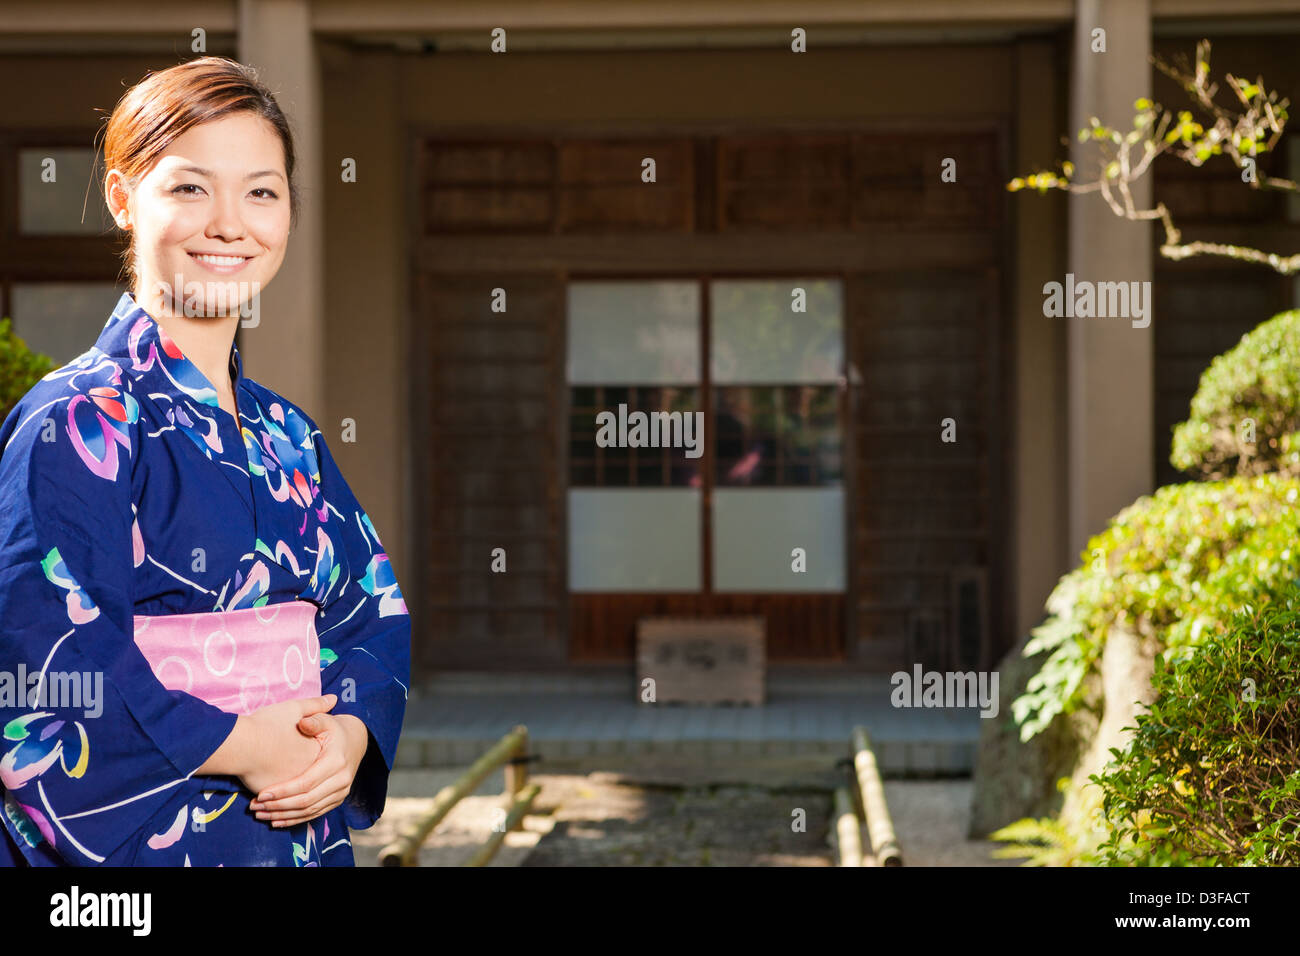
x=92, y=744
x=365, y=638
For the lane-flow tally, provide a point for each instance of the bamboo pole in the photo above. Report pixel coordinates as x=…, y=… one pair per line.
x=483, y=855
x=848, y=830
x=880, y=828
x=405, y=850
x=517, y=773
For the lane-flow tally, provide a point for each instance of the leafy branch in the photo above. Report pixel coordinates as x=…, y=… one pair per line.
x=1251, y=126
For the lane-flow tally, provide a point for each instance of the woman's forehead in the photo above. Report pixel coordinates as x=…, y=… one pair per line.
x=206, y=148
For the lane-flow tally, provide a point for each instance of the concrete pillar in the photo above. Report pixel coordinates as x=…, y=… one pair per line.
x=1040, y=499
x=1110, y=370
x=368, y=263
x=286, y=350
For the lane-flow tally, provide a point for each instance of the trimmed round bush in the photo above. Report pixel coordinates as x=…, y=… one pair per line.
x=1173, y=566
x=1245, y=416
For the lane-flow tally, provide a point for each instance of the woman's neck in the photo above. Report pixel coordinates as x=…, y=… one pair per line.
x=205, y=340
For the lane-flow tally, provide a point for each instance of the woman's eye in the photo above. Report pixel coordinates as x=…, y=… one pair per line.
x=179, y=189
x=268, y=193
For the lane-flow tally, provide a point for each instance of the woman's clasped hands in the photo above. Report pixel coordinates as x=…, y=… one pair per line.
x=327, y=781
x=299, y=759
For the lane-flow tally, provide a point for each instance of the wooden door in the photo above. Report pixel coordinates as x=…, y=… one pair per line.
x=924, y=354
x=488, y=463
x=773, y=440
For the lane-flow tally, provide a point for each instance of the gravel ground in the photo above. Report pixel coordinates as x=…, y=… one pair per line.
x=603, y=822
x=930, y=819
x=673, y=816
x=462, y=831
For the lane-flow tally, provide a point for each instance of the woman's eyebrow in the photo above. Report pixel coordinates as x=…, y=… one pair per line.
x=211, y=175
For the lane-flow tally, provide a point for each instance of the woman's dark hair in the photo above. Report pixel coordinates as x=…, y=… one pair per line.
x=168, y=103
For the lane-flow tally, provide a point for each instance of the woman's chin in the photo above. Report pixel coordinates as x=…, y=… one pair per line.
x=212, y=296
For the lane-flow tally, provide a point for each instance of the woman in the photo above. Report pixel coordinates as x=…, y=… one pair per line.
x=206, y=650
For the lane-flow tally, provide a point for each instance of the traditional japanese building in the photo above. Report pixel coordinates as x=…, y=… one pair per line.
x=789, y=218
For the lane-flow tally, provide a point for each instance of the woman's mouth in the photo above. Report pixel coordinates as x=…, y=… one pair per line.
x=222, y=265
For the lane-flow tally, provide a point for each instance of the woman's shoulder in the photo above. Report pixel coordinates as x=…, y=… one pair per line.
x=276, y=408
x=88, y=400
x=280, y=425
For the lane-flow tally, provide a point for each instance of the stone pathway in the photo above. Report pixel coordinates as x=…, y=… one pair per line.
x=461, y=832
x=604, y=822
x=930, y=819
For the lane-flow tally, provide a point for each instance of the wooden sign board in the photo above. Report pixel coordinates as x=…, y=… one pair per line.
x=702, y=660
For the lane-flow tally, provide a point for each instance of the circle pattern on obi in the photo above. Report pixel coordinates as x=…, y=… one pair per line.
x=239, y=660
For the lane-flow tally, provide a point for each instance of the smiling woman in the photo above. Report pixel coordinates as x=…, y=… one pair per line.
x=184, y=532
x=208, y=224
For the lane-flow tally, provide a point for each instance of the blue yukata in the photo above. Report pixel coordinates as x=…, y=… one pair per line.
x=129, y=497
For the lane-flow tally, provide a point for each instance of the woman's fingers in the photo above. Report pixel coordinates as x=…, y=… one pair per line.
x=312, y=725
x=321, y=800
x=318, y=809
x=322, y=768
x=316, y=705
x=324, y=785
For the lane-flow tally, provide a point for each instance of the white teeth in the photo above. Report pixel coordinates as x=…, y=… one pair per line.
x=220, y=260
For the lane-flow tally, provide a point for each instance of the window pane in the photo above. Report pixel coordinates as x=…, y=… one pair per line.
x=746, y=436
x=62, y=319
x=55, y=208
x=645, y=539
x=769, y=435
x=758, y=339
x=659, y=459
x=756, y=529
x=634, y=333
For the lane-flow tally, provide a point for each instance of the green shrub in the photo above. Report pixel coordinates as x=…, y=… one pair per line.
x=20, y=368
x=1212, y=775
x=1256, y=384
x=1173, y=566
x=1206, y=573
x=1050, y=841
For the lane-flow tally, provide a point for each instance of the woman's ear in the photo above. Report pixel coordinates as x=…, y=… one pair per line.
x=118, y=198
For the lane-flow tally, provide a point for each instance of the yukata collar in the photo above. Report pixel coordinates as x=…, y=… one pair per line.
x=274, y=470
x=133, y=334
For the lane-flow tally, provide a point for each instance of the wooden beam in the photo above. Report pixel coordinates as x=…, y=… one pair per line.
x=379, y=16
x=582, y=17
x=884, y=250
x=177, y=17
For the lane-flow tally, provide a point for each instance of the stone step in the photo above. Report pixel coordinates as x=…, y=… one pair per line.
x=896, y=758
x=586, y=730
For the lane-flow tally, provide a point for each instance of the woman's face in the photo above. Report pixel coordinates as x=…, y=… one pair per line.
x=211, y=219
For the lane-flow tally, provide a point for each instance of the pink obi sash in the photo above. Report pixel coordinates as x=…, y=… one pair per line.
x=237, y=661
